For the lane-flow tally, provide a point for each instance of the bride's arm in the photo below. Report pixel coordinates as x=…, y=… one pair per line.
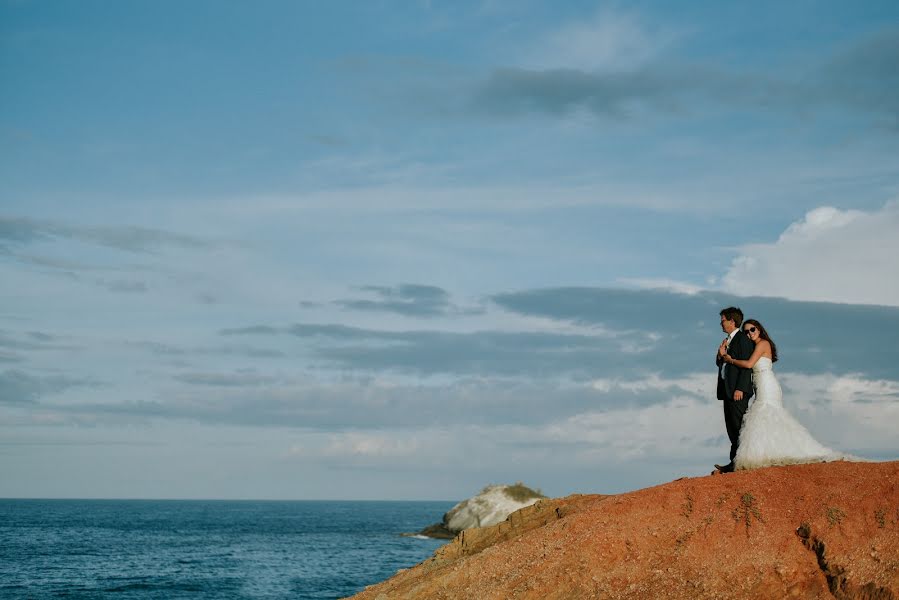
x=748, y=363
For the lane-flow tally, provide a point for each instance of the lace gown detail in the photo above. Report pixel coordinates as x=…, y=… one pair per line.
x=770, y=435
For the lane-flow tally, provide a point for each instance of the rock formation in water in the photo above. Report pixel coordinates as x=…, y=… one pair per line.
x=493, y=505
x=827, y=530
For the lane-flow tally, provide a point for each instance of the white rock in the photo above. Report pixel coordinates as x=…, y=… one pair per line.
x=488, y=508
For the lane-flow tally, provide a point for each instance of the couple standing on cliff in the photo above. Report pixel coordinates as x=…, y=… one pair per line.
x=764, y=434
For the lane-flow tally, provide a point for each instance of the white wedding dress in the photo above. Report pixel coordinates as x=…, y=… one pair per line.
x=770, y=435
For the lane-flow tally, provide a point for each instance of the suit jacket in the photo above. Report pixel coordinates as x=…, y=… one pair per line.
x=736, y=378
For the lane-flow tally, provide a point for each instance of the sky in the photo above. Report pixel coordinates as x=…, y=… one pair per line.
x=403, y=250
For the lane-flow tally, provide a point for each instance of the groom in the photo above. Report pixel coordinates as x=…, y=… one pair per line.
x=734, y=383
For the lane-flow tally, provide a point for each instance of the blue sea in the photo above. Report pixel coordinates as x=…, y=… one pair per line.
x=142, y=549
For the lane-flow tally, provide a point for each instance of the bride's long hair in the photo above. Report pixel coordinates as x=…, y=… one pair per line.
x=764, y=335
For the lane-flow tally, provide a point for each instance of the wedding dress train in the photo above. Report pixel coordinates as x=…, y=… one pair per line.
x=770, y=435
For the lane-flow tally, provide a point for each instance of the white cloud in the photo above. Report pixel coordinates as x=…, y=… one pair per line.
x=846, y=412
x=355, y=444
x=608, y=42
x=695, y=384
x=681, y=429
x=670, y=285
x=830, y=255
x=606, y=447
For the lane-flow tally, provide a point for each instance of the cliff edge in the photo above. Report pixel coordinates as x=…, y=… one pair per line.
x=807, y=531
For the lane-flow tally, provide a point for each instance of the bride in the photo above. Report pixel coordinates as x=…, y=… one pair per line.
x=770, y=435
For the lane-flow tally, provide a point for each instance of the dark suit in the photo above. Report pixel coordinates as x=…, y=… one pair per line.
x=735, y=378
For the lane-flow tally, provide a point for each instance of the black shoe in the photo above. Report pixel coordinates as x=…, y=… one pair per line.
x=728, y=468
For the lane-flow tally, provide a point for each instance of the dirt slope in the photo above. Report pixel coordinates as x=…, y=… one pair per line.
x=808, y=531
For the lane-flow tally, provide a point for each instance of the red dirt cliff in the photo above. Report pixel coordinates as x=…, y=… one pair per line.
x=807, y=531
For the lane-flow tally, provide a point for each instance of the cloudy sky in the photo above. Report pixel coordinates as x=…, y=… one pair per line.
x=401, y=250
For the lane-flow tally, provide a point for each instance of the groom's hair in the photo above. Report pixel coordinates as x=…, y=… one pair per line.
x=732, y=313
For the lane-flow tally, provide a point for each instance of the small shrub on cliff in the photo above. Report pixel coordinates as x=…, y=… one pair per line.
x=687, y=506
x=522, y=493
x=835, y=515
x=748, y=509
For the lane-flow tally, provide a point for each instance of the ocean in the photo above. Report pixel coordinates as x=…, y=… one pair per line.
x=142, y=549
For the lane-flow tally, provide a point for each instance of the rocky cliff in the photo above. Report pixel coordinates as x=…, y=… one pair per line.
x=807, y=531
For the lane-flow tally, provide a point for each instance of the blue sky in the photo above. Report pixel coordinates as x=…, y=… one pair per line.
x=406, y=249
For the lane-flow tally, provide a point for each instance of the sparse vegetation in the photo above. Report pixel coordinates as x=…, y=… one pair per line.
x=880, y=515
x=683, y=539
x=522, y=493
x=747, y=510
x=834, y=515
x=687, y=506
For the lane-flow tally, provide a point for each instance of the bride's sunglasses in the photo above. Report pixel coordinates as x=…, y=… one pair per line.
x=750, y=330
